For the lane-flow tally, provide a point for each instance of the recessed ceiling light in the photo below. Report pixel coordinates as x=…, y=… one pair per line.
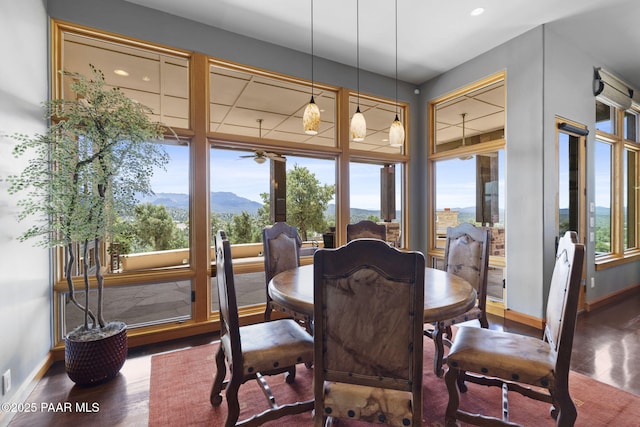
x=121, y=72
x=477, y=11
x=146, y=79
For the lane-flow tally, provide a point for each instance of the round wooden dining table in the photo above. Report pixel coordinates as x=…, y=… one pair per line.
x=445, y=295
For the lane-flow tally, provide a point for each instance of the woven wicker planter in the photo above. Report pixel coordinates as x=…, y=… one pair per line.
x=94, y=362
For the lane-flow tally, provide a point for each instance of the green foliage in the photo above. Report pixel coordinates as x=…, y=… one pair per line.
x=603, y=239
x=217, y=223
x=307, y=200
x=242, y=228
x=154, y=228
x=264, y=213
x=86, y=170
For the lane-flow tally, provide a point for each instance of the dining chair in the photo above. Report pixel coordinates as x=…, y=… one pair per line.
x=369, y=315
x=253, y=351
x=281, y=245
x=513, y=361
x=466, y=254
x=366, y=229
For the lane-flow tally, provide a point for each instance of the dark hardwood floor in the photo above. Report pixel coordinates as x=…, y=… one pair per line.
x=606, y=346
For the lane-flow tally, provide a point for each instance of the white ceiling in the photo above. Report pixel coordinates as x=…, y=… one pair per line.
x=433, y=36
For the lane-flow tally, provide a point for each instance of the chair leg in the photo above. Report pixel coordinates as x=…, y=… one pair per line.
x=483, y=321
x=221, y=372
x=290, y=375
x=439, y=350
x=267, y=312
x=448, y=334
x=451, y=379
x=565, y=408
x=233, y=405
x=461, y=384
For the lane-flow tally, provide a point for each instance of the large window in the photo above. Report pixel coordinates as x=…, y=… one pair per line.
x=242, y=207
x=375, y=193
x=571, y=202
x=239, y=160
x=630, y=188
x=157, y=233
x=616, y=184
x=467, y=161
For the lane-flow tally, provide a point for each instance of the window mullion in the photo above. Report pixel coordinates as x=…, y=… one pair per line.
x=617, y=212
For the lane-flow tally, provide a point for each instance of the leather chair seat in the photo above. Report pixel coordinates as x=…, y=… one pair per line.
x=537, y=368
x=517, y=357
x=270, y=345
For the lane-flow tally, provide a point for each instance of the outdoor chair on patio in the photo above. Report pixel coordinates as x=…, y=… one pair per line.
x=513, y=361
x=253, y=351
x=466, y=254
x=369, y=315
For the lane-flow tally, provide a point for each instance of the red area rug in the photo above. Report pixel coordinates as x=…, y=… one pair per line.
x=181, y=383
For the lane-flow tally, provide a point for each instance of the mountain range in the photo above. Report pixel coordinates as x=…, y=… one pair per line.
x=225, y=202
x=222, y=202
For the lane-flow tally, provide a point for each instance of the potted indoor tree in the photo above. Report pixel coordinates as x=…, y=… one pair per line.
x=95, y=158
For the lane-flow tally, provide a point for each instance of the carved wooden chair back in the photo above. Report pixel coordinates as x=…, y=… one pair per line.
x=368, y=314
x=466, y=254
x=366, y=229
x=562, y=302
x=281, y=245
x=229, y=319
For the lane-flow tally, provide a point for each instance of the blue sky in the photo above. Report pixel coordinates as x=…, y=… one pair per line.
x=248, y=179
x=456, y=183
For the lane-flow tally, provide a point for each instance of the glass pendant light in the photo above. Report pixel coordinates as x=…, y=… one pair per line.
x=358, y=123
x=396, y=131
x=311, y=117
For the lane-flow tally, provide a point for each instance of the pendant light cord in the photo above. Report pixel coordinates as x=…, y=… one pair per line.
x=396, y=5
x=312, y=79
x=358, y=49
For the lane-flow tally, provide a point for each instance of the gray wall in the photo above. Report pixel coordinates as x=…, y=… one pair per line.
x=569, y=94
x=547, y=76
x=522, y=59
x=25, y=291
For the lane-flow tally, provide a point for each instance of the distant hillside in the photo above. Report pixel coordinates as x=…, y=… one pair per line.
x=224, y=202
x=356, y=214
x=221, y=202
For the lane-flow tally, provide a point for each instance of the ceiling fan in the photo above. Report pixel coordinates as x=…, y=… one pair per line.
x=262, y=156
